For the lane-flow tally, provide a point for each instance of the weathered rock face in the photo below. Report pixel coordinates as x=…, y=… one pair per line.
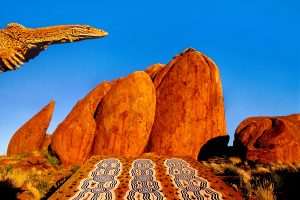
x=154, y=69
x=73, y=138
x=265, y=139
x=190, y=107
x=125, y=117
x=31, y=135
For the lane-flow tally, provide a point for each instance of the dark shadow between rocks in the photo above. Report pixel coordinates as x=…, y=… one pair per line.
x=215, y=147
x=8, y=191
x=239, y=149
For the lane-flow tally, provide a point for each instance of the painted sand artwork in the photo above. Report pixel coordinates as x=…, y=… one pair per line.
x=154, y=177
x=149, y=100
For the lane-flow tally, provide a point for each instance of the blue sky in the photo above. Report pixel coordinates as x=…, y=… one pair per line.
x=254, y=43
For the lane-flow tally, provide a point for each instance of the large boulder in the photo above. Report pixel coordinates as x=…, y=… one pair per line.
x=125, y=117
x=190, y=107
x=267, y=139
x=31, y=135
x=73, y=138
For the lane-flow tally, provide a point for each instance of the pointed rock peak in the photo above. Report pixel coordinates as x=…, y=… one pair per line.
x=193, y=52
x=50, y=106
x=188, y=50
x=31, y=135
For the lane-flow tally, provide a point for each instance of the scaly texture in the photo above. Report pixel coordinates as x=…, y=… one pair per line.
x=19, y=44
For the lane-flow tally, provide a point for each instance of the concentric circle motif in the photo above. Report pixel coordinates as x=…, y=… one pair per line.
x=189, y=184
x=143, y=184
x=102, y=181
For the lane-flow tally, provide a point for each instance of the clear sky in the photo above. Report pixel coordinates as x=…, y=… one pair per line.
x=254, y=43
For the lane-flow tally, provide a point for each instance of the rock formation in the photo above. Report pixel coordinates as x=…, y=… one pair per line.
x=73, y=138
x=175, y=109
x=266, y=139
x=125, y=117
x=31, y=135
x=190, y=107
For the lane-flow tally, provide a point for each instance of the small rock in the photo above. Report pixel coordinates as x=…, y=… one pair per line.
x=32, y=160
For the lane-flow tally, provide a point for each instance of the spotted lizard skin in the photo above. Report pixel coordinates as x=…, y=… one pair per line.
x=19, y=44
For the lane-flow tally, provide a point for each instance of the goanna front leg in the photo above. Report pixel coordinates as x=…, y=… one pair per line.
x=13, y=59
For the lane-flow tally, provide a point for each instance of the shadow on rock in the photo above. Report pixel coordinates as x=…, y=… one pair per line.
x=215, y=147
x=8, y=191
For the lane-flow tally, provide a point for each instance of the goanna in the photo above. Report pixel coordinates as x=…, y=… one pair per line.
x=19, y=44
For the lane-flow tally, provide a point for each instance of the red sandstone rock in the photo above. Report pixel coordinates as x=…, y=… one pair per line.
x=31, y=135
x=266, y=139
x=73, y=138
x=125, y=117
x=154, y=69
x=190, y=107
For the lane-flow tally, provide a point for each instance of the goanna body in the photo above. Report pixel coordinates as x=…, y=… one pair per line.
x=19, y=44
